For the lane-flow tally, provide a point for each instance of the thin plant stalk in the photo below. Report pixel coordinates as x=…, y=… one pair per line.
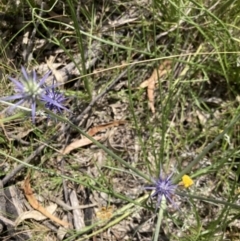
x=162, y=208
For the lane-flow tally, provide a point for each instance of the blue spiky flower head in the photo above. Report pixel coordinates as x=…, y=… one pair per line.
x=53, y=99
x=28, y=89
x=162, y=187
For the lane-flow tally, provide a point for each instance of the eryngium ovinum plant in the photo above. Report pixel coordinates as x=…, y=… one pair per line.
x=29, y=89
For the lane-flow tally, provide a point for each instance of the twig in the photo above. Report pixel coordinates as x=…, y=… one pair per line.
x=21, y=166
x=29, y=47
x=65, y=191
x=2, y=199
x=67, y=207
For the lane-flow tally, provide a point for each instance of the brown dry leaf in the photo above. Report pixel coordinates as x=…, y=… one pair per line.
x=23, y=133
x=35, y=214
x=36, y=205
x=150, y=82
x=202, y=117
x=96, y=129
x=79, y=143
x=85, y=141
x=144, y=84
x=53, y=68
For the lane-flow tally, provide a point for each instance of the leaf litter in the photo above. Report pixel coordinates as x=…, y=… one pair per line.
x=151, y=82
x=85, y=141
x=36, y=205
x=84, y=152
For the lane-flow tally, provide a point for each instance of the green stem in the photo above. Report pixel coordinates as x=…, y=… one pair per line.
x=162, y=207
x=211, y=200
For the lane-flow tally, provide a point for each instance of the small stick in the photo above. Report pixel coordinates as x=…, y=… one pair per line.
x=21, y=166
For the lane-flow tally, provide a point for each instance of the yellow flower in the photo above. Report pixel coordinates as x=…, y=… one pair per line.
x=186, y=181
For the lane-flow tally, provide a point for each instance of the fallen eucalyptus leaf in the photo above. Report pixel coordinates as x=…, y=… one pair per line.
x=35, y=214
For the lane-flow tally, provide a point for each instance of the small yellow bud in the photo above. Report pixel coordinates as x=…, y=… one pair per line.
x=186, y=181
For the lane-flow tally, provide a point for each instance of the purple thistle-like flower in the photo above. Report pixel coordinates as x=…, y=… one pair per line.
x=163, y=187
x=27, y=89
x=53, y=99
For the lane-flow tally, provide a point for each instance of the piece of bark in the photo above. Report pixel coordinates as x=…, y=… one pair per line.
x=65, y=206
x=19, y=167
x=62, y=231
x=2, y=199
x=3, y=225
x=14, y=207
x=78, y=217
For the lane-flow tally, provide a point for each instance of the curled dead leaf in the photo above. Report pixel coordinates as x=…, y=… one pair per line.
x=79, y=143
x=36, y=205
x=151, y=82
x=35, y=214
x=85, y=141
